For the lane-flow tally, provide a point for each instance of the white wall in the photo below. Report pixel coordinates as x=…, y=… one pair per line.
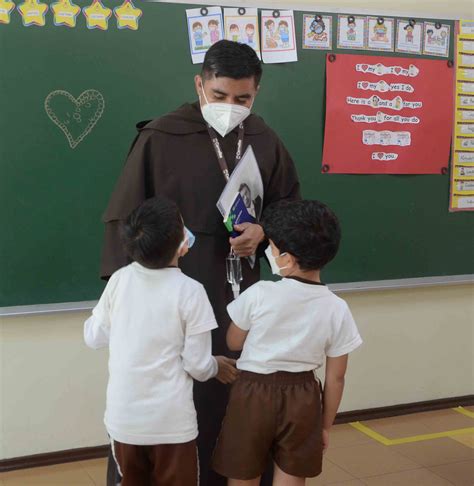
x=418, y=345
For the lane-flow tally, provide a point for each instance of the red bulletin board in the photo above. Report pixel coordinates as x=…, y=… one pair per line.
x=387, y=115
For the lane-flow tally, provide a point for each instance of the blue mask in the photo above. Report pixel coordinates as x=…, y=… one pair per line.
x=189, y=238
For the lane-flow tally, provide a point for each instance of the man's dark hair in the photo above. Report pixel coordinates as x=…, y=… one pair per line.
x=232, y=60
x=152, y=232
x=309, y=230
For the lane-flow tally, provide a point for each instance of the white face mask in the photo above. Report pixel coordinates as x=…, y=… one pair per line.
x=276, y=270
x=223, y=117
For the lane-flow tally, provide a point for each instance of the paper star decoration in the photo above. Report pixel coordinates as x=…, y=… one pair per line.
x=97, y=16
x=127, y=15
x=33, y=13
x=5, y=9
x=65, y=13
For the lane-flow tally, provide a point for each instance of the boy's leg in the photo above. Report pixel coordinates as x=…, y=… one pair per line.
x=113, y=477
x=281, y=478
x=174, y=464
x=132, y=464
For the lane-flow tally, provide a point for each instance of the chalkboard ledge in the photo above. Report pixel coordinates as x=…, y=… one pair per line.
x=342, y=288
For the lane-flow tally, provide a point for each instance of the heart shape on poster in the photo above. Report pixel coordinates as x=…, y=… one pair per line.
x=75, y=117
x=380, y=155
x=365, y=84
x=364, y=67
x=398, y=69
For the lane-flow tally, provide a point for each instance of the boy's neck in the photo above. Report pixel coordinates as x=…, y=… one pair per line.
x=310, y=275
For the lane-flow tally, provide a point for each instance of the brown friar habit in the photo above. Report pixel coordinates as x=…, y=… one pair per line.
x=173, y=156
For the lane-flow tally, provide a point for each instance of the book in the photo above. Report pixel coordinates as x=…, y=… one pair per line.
x=237, y=214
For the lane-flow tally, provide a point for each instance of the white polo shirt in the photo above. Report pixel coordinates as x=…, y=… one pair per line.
x=157, y=324
x=292, y=326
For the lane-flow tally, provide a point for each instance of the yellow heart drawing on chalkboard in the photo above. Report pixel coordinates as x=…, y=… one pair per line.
x=75, y=117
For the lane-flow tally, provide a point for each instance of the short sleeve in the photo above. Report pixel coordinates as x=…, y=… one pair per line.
x=242, y=309
x=197, y=312
x=345, y=337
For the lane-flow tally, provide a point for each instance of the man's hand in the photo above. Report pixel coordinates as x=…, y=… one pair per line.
x=227, y=372
x=246, y=244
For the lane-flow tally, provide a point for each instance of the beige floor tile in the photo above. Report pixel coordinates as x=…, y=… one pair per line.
x=418, y=477
x=97, y=470
x=71, y=474
x=397, y=427
x=351, y=482
x=466, y=439
x=435, y=452
x=370, y=460
x=344, y=435
x=458, y=473
x=331, y=474
x=444, y=420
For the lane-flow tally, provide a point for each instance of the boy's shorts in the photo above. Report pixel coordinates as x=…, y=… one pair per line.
x=277, y=415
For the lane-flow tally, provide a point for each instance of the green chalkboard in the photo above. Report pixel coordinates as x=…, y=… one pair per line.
x=52, y=195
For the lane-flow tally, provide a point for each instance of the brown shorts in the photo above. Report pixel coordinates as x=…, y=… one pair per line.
x=157, y=465
x=277, y=415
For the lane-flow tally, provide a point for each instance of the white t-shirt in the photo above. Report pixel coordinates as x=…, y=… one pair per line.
x=149, y=318
x=292, y=326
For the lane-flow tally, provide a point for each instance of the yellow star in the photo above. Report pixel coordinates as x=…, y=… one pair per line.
x=65, y=13
x=97, y=16
x=127, y=15
x=33, y=13
x=5, y=9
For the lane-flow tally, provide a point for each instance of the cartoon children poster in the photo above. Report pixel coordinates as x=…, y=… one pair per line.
x=436, y=39
x=380, y=34
x=351, y=32
x=241, y=25
x=205, y=28
x=409, y=36
x=278, y=36
x=317, y=32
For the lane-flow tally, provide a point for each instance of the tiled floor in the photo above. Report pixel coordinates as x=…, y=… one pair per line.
x=354, y=459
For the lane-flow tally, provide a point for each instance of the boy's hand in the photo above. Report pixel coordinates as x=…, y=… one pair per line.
x=325, y=440
x=227, y=372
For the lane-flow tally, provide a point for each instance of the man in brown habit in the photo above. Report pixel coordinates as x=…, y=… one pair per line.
x=184, y=156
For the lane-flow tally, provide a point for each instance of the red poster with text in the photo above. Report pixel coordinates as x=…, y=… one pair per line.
x=387, y=115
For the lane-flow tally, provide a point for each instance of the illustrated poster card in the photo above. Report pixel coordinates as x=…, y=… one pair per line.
x=436, y=39
x=381, y=34
x=205, y=28
x=409, y=36
x=241, y=25
x=351, y=32
x=278, y=36
x=317, y=32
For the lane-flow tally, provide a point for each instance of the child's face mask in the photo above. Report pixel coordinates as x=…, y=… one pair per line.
x=276, y=270
x=187, y=242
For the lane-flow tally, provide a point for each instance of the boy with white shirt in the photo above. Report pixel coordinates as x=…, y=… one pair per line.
x=157, y=323
x=286, y=330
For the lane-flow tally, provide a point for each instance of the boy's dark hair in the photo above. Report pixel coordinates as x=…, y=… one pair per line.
x=232, y=60
x=309, y=230
x=152, y=232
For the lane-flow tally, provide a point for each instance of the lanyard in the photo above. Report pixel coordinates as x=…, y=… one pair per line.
x=220, y=154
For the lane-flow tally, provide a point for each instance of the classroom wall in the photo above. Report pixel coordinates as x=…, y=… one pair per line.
x=418, y=345
x=422, y=8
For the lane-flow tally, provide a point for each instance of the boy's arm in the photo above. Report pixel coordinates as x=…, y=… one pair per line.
x=333, y=388
x=201, y=365
x=97, y=327
x=236, y=337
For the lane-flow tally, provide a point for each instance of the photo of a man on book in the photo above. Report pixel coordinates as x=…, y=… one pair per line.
x=253, y=207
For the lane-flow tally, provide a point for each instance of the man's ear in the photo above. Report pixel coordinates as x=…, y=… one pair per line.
x=198, y=84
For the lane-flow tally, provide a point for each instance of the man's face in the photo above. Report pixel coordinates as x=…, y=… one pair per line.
x=227, y=90
x=246, y=196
